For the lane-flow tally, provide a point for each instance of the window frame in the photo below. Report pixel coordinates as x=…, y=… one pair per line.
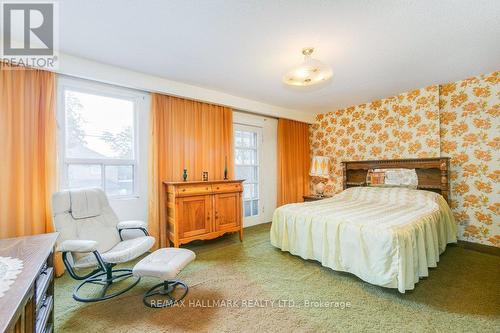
x=90, y=87
x=258, y=150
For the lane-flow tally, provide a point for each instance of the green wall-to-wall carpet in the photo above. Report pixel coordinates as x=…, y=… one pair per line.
x=461, y=295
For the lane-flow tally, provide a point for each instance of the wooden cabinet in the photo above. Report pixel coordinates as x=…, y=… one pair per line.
x=28, y=306
x=227, y=210
x=195, y=214
x=203, y=210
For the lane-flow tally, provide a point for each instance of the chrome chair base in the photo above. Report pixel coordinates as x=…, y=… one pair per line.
x=166, y=288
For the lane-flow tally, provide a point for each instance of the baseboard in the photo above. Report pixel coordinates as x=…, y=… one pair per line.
x=479, y=247
x=251, y=224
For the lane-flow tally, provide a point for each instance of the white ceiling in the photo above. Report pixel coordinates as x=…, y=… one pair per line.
x=376, y=48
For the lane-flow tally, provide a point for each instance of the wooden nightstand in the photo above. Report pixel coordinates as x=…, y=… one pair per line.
x=315, y=197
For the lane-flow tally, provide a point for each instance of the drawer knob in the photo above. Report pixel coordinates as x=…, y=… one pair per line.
x=217, y=187
x=183, y=190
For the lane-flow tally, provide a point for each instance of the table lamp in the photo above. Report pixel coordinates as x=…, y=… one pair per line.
x=320, y=168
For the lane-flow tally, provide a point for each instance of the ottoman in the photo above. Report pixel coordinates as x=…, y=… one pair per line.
x=164, y=264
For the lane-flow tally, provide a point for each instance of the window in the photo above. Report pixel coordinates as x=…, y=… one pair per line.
x=100, y=139
x=247, y=159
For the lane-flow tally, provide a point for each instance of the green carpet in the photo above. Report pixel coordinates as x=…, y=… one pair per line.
x=461, y=295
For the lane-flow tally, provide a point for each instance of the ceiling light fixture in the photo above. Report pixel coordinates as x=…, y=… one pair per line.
x=310, y=72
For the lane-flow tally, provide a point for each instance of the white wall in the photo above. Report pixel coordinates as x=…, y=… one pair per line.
x=92, y=70
x=268, y=169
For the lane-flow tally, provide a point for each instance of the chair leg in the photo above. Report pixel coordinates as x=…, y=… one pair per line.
x=105, y=280
x=166, y=288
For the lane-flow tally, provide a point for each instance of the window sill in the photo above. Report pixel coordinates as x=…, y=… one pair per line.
x=124, y=197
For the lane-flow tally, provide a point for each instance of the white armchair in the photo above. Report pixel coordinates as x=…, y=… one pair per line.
x=90, y=236
x=80, y=246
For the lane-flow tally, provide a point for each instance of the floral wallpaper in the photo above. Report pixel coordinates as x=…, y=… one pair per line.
x=406, y=125
x=470, y=135
x=460, y=120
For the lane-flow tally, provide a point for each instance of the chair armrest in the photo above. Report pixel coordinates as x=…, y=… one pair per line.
x=132, y=224
x=78, y=246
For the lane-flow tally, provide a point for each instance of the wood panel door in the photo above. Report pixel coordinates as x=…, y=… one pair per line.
x=227, y=211
x=194, y=215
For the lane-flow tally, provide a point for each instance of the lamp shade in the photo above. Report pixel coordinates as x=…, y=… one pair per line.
x=320, y=167
x=311, y=71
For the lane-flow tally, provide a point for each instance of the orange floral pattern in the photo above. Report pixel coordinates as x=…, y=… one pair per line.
x=459, y=119
x=470, y=135
x=406, y=125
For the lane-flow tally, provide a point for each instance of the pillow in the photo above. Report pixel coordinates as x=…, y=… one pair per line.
x=394, y=195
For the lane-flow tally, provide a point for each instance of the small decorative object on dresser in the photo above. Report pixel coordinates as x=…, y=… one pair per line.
x=10, y=268
x=185, y=175
x=308, y=198
x=225, y=168
x=320, y=168
x=204, y=176
x=203, y=209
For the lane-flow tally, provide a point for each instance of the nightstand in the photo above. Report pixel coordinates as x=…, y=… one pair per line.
x=315, y=197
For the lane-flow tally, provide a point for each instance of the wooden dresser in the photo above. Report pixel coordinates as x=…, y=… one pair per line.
x=28, y=305
x=203, y=210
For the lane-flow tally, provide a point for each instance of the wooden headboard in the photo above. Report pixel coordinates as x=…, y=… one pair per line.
x=432, y=172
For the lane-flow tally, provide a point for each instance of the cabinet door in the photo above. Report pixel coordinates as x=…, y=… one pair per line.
x=227, y=210
x=194, y=215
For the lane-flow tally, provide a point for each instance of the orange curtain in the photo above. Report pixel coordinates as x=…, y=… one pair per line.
x=293, y=161
x=190, y=135
x=27, y=151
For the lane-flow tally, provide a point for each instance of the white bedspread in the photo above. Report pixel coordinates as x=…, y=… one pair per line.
x=386, y=236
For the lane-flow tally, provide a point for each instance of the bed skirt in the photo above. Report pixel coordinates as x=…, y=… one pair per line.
x=395, y=258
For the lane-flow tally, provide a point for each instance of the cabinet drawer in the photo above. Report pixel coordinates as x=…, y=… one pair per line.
x=187, y=190
x=223, y=188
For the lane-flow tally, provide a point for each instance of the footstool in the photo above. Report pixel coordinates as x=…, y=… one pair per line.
x=164, y=264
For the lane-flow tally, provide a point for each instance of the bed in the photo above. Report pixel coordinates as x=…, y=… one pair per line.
x=387, y=236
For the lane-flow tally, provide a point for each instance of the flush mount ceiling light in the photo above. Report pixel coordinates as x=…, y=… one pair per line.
x=310, y=72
